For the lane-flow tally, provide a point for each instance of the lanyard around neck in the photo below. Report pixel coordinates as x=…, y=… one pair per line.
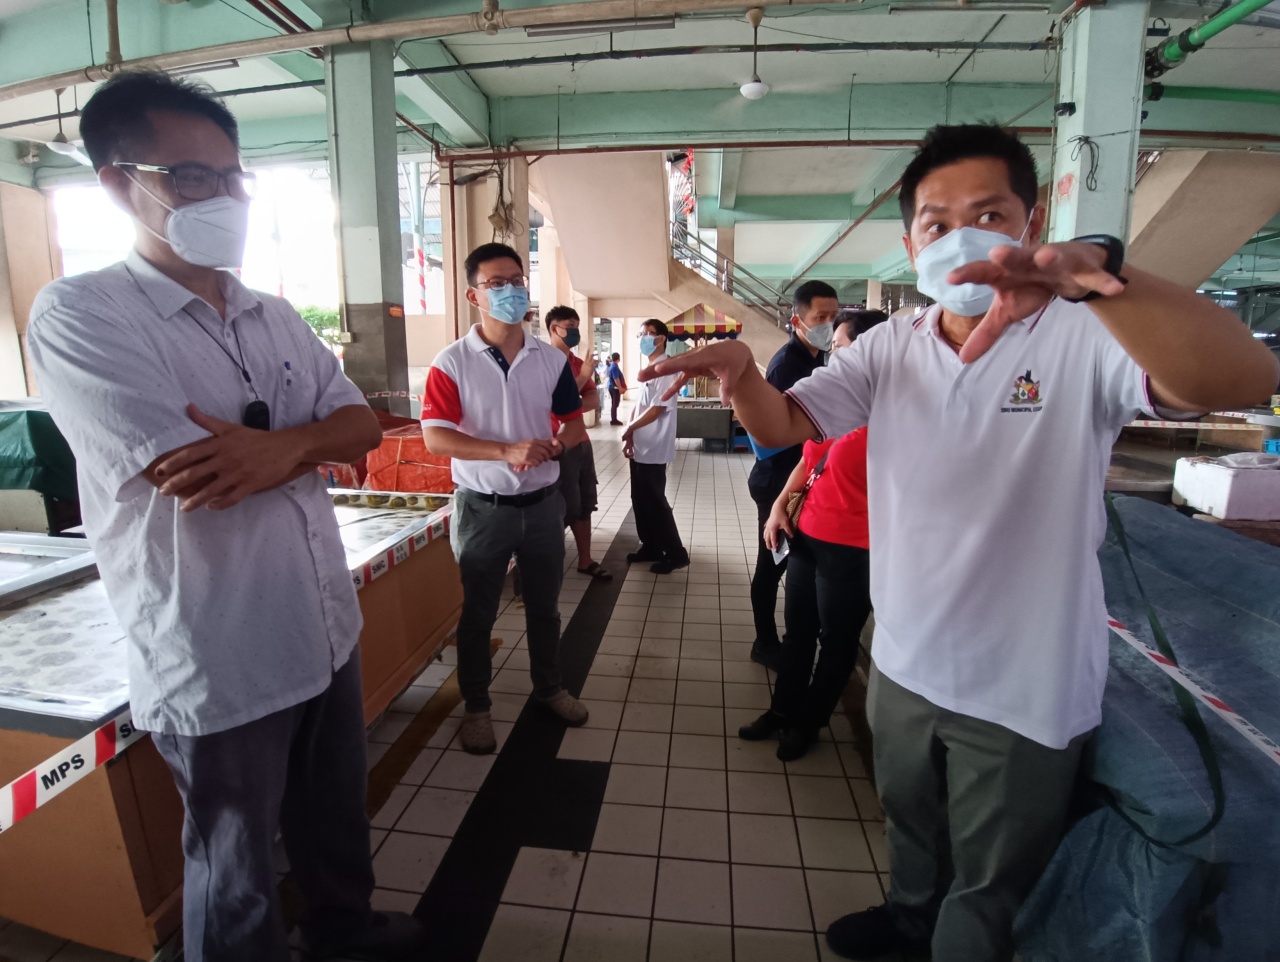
x=240, y=365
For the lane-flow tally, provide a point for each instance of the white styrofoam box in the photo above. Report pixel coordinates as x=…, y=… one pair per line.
x=1238, y=487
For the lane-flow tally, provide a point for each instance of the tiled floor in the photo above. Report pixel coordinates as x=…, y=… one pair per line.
x=706, y=847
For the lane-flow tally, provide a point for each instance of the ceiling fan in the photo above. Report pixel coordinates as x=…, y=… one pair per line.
x=60, y=145
x=754, y=88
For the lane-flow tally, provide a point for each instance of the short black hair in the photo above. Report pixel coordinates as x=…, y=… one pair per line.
x=115, y=122
x=657, y=328
x=860, y=321
x=485, y=253
x=807, y=291
x=562, y=312
x=948, y=145
x=615, y=356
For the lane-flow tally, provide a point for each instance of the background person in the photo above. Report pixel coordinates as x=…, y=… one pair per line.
x=812, y=312
x=578, y=463
x=617, y=384
x=488, y=406
x=991, y=420
x=649, y=441
x=197, y=410
x=828, y=592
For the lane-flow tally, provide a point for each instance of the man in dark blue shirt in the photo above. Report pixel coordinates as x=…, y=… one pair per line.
x=813, y=312
x=617, y=384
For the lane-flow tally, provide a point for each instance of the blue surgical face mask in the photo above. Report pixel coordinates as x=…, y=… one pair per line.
x=648, y=344
x=956, y=249
x=821, y=335
x=508, y=304
x=571, y=337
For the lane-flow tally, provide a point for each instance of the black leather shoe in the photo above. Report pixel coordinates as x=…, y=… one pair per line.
x=670, y=564
x=766, y=726
x=871, y=934
x=767, y=654
x=389, y=936
x=794, y=743
x=644, y=554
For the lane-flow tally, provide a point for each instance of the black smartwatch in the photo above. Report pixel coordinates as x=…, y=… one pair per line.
x=1114, y=247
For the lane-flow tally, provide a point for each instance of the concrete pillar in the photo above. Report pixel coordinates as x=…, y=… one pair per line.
x=875, y=294
x=467, y=209
x=1195, y=208
x=1101, y=73
x=29, y=259
x=361, y=108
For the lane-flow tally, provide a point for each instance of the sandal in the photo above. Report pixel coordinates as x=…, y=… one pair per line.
x=597, y=571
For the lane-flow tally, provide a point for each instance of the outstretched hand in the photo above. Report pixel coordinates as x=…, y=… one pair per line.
x=1026, y=279
x=726, y=361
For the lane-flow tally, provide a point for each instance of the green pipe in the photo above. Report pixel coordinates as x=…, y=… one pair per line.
x=1158, y=91
x=1173, y=51
x=1264, y=238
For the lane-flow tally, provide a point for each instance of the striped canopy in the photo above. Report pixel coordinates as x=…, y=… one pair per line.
x=702, y=321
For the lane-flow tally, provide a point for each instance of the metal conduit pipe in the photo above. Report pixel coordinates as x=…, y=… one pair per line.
x=1162, y=59
x=562, y=13
x=1158, y=91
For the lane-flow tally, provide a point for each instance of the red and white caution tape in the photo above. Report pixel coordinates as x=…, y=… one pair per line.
x=1197, y=425
x=28, y=792
x=1215, y=704
x=433, y=529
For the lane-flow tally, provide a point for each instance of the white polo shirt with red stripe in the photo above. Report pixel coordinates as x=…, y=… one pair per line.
x=985, y=501
x=471, y=389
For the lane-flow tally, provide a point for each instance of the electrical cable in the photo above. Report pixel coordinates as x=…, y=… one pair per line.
x=88, y=16
x=248, y=16
x=1082, y=142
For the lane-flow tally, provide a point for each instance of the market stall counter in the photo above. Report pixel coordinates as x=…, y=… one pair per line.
x=90, y=848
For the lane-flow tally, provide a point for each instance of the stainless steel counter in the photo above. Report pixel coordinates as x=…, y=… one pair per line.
x=62, y=652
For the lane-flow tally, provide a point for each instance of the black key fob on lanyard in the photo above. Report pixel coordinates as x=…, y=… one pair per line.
x=257, y=416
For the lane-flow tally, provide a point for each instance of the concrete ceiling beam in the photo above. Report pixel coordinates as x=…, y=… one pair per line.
x=451, y=100
x=730, y=173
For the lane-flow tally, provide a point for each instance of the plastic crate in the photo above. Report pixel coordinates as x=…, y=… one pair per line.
x=1273, y=445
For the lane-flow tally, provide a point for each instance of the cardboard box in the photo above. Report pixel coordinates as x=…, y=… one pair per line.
x=1243, y=486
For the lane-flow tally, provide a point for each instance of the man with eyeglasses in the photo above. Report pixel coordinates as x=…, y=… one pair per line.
x=198, y=410
x=489, y=403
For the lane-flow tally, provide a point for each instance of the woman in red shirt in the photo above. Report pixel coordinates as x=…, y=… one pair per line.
x=828, y=596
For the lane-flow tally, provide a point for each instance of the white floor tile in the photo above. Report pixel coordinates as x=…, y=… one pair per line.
x=593, y=938
x=544, y=877
x=435, y=811
x=618, y=884
x=628, y=830
x=528, y=934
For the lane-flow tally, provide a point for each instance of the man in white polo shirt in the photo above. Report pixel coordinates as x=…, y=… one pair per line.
x=197, y=409
x=992, y=415
x=488, y=406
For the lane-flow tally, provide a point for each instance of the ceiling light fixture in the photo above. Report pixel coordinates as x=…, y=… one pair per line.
x=754, y=88
x=205, y=67
x=599, y=26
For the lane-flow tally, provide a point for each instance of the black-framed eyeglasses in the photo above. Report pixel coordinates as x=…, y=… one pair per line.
x=200, y=182
x=498, y=283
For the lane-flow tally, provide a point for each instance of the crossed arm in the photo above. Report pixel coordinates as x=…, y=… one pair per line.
x=234, y=462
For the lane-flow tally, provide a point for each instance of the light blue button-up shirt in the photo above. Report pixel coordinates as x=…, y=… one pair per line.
x=231, y=615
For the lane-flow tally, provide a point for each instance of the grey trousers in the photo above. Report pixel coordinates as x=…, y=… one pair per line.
x=973, y=813
x=484, y=538
x=301, y=770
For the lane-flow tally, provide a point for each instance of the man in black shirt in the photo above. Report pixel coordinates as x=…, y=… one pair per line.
x=813, y=311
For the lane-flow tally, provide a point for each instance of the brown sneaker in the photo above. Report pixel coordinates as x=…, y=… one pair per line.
x=569, y=709
x=476, y=734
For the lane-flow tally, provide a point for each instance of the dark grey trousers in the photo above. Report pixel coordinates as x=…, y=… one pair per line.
x=484, y=538
x=973, y=813
x=301, y=770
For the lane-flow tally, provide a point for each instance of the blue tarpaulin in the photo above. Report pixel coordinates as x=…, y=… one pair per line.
x=1110, y=895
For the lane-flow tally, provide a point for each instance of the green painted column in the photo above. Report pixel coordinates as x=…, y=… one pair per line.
x=360, y=85
x=1101, y=73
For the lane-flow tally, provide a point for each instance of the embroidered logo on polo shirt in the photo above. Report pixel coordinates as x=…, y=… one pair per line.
x=1026, y=396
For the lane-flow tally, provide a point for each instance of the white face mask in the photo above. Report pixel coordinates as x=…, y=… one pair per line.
x=956, y=249
x=208, y=233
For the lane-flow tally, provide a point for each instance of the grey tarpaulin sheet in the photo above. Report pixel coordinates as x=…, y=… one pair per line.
x=1109, y=895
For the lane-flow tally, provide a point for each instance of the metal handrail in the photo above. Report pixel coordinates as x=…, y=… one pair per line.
x=731, y=277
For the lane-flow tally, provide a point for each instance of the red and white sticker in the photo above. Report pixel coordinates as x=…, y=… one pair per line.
x=1219, y=707
x=1197, y=425
x=414, y=541
x=47, y=781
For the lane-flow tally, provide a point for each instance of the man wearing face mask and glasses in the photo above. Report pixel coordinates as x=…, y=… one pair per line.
x=197, y=410
x=991, y=416
x=489, y=404
x=813, y=314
